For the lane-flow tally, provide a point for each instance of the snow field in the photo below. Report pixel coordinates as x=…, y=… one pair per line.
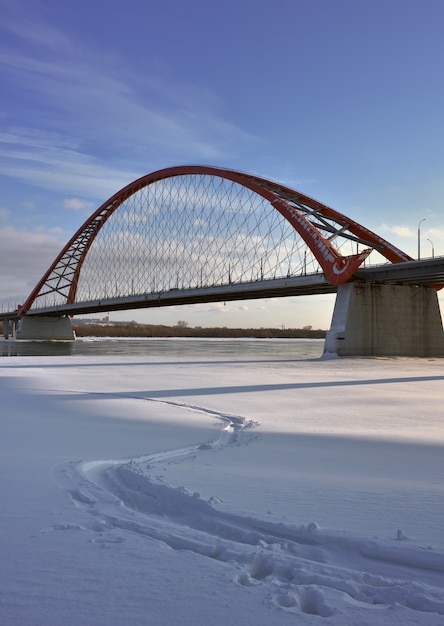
x=207, y=491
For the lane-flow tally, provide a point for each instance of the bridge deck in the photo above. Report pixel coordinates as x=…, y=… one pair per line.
x=424, y=272
x=293, y=286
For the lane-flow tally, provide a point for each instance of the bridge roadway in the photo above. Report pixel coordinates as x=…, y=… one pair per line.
x=424, y=272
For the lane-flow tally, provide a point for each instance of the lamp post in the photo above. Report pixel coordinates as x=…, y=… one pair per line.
x=433, y=248
x=419, y=237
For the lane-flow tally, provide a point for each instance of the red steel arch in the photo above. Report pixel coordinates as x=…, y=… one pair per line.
x=291, y=204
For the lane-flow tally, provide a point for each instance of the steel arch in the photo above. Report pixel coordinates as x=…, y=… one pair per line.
x=63, y=275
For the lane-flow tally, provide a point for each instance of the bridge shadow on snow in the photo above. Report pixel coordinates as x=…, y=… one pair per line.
x=236, y=389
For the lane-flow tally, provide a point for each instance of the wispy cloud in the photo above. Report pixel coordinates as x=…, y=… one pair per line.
x=26, y=21
x=94, y=120
x=45, y=159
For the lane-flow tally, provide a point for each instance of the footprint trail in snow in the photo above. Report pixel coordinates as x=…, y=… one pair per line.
x=298, y=568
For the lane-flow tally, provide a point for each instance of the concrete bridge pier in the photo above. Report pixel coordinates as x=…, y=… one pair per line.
x=372, y=319
x=6, y=327
x=37, y=327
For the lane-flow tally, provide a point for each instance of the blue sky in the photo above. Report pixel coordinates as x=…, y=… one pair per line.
x=343, y=100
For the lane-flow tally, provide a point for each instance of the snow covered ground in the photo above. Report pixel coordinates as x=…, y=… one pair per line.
x=221, y=490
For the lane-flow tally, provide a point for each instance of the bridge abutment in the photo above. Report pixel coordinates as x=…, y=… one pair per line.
x=372, y=319
x=45, y=328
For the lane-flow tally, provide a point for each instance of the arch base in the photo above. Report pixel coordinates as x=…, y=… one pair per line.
x=372, y=319
x=45, y=328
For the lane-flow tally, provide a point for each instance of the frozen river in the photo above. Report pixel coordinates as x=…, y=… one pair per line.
x=193, y=482
x=152, y=346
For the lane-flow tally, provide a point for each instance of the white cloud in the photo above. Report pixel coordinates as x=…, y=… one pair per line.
x=406, y=239
x=77, y=204
x=436, y=232
x=400, y=231
x=24, y=258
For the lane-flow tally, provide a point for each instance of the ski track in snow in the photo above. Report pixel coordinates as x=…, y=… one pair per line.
x=300, y=569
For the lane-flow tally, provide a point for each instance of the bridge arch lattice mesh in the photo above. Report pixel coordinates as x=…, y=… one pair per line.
x=188, y=232
x=190, y=227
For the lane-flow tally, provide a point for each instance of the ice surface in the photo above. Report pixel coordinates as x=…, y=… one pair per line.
x=170, y=491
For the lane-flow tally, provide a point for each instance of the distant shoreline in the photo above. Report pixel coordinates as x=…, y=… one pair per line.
x=132, y=329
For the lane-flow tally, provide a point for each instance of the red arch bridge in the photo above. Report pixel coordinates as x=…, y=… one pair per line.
x=192, y=234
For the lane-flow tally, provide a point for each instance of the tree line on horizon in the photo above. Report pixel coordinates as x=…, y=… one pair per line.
x=181, y=329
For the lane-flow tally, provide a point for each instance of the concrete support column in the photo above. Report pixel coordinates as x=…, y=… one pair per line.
x=6, y=328
x=45, y=328
x=385, y=320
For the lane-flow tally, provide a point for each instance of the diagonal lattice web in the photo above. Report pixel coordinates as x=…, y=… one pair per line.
x=189, y=231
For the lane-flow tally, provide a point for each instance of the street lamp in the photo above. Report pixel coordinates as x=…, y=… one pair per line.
x=433, y=248
x=419, y=237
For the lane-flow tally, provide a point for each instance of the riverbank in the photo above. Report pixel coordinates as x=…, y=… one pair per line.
x=133, y=329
